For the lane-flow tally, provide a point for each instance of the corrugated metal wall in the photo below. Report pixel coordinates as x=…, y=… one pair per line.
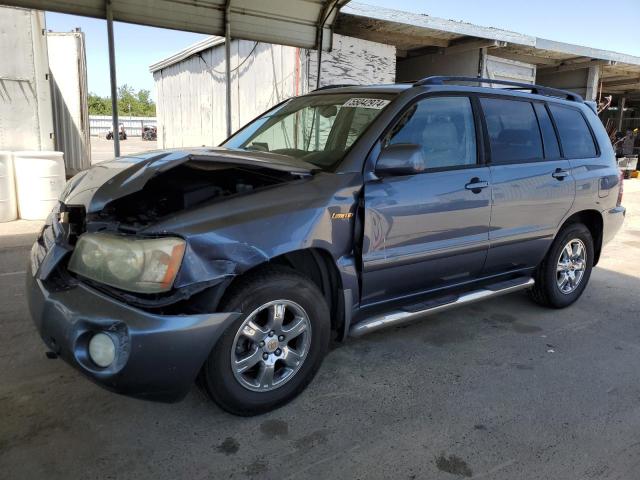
x=191, y=93
x=68, y=68
x=26, y=121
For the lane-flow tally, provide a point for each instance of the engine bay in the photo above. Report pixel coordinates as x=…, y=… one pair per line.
x=186, y=186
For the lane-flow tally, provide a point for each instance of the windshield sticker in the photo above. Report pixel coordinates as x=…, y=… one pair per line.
x=375, y=103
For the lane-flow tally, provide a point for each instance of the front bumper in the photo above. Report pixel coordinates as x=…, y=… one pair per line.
x=157, y=356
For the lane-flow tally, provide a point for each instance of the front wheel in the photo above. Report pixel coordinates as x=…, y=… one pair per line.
x=565, y=271
x=271, y=353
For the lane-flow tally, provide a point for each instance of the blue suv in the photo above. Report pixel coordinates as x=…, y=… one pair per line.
x=347, y=210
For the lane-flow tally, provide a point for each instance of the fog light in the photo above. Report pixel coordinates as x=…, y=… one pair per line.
x=102, y=350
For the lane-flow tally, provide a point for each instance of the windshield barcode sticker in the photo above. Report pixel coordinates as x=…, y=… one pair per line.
x=375, y=103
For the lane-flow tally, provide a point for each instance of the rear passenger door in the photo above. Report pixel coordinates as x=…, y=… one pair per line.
x=533, y=188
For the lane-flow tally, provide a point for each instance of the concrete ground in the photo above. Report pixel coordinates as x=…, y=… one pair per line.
x=102, y=149
x=499, y=390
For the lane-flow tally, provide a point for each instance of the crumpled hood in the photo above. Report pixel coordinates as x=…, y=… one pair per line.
x=108, y=181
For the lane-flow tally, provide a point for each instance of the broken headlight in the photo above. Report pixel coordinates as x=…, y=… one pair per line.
x=132, y=264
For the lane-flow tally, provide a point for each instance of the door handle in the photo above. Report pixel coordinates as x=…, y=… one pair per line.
x=560, y=174
x=476, y=185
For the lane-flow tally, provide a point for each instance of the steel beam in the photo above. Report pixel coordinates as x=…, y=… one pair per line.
x=569, y=67
x=472, y=45
x=112, y=79
x=525, y=58
x=325, y=14
x=227, y=61
x=621, y=83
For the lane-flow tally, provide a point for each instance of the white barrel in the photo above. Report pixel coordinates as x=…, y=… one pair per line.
x=40, y=179
x=8, y=201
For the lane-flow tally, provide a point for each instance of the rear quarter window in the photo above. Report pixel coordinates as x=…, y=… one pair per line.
x=514, y=135
x=575, y=136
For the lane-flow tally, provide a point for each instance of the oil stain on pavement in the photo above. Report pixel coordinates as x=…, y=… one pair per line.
x=453, y=465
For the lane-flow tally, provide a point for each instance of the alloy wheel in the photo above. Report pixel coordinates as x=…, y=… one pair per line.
x=571, y=266
x=271, y=345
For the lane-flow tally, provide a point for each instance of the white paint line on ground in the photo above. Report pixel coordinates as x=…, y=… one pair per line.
x=8, y=274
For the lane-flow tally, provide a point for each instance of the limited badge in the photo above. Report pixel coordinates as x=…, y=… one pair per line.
x=341, y=216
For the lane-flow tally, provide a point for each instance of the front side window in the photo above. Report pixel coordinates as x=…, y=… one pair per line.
x=513, y=130
x=574, y=133
x=318, y=129
x=443, y=127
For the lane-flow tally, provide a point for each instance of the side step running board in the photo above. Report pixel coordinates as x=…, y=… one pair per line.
x=407, y=314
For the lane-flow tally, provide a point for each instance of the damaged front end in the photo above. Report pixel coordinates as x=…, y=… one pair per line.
x=116, y=270
x=123, y=200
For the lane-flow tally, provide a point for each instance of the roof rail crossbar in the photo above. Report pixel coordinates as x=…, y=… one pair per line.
x=536, y=89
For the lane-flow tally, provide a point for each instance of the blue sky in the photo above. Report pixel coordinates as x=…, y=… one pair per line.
x=593, y=23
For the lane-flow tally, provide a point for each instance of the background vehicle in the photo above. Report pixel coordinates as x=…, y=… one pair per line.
x=346, y=210
x=149, y=132
x=121, y=132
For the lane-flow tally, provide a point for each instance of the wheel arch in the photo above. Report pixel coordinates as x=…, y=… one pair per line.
x=593, y=220
x=319, y=266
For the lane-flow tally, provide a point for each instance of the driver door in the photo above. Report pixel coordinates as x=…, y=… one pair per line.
x=428, y=230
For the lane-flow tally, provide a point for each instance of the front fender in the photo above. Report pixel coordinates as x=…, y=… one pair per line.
x=227, y=238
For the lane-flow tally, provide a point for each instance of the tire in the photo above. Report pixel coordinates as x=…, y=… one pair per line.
x=547, y=291
x=241, y=393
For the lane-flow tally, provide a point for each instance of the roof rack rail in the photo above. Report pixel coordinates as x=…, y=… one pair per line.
x=337, y=85
x=535, y=89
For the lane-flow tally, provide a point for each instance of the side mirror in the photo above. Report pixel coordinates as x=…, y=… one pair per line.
x=401, y=159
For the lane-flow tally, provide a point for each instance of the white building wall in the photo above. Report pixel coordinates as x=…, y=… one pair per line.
x=68, y=76
x=26, y=120
x=353, y=60
x=191, y=93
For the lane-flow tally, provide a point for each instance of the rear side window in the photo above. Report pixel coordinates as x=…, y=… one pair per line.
x=513, y=130
x=445, y=129
x=575, y=136
x=551, y=149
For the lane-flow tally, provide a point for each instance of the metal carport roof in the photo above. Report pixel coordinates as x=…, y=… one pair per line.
x=620, y=73
x=287, y=22
x=299, y=23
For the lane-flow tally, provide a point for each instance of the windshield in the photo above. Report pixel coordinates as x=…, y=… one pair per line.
x=318, y=129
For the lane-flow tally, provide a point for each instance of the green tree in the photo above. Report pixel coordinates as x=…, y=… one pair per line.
x=99, y=105
x=130, y=102
x=138, y=103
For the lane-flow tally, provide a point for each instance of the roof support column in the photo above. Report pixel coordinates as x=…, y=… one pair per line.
x=326, y=12
x=621, y=104
x=112, y=79
x=227, y=62
x=593, y=80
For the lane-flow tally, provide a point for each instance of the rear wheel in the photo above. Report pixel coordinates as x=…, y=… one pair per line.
x=564, y=273
x=271, y=353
